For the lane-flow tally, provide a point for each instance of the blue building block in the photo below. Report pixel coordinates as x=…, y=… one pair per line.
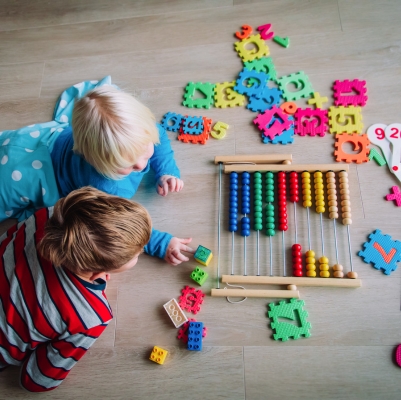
x=172, y=121
x=195, y=331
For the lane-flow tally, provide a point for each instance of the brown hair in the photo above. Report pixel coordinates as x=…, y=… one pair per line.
x=91, y=231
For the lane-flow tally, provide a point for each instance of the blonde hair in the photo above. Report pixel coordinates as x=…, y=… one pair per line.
x=91, y=231
x=111, y=129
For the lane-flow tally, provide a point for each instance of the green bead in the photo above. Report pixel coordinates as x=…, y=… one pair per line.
x=269, y=174
x=258, y=227
x=269, y=213
x=270, y=232
x=270, y=207
x=257, y=198
x=258, y=203
x=257, y=175
x=269, y=199
x=258, y=214
x=269, y=186
x=257, y=185
x=257, y=208
x=270, y=219
x=270, y=225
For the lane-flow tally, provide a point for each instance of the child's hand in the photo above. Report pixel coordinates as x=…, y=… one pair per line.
x=168, y=183
x=173, y=254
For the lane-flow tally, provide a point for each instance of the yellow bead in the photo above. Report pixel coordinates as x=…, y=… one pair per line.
x=310, y=253
x=310, y=260
x=324, y=267
x=323, y=260
x=307, y=204
x=319, y=192
x=310, y=267
x=311, y=274
x=318, y=174
x=319, y=185
x=320, y=202
x=320, y=209
x=324, y=274
x=305, y=174
x=307, y=197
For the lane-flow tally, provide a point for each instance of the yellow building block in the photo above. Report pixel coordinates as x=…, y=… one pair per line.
x=158, y=355
x=345, y=120
x=203, y=255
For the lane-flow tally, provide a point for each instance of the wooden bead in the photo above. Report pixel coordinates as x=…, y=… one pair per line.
x=343, y=173
x=291, y=287
x=332, y=196
x=338, y=274
x=344, y=186
x=346, y=209
x=333, y=215
x=352, y=275
x=333, y=209
x=345, y=196
x=344, y=191
x=347, y=221
x=287, y=162
x=330, y=174
x=345, y=203
x=331, y=185
x=347, y=215
x=337, y=267
x=332, y=203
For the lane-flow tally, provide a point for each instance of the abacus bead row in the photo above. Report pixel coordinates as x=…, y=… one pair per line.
x=257, y=201
x=282, y=202
x=345, y=198
x=294, y=187
x=270, y=221
x=246, y=204
x=233, y=204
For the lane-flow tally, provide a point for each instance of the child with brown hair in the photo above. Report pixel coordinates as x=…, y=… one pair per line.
x=52, y=268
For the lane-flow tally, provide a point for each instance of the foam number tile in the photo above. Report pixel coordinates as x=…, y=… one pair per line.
x=265, y=32
x=259, y=50
x=192, y=125
x=268, y=98
x=273, y=122
x=294, y=313
x=345, y=120
x=360, y=143
x=342, y=90
x=225, y=95
x=201, y=138
x=205, y=89
x=244, y=34
x=377, y=135
x=219, y=130
x=264, y=64
x=172, y=121
x=285, y=42
x=311, y=122
x=376, y=155
x=301, y=82
x=382, y=252
x=251, y=83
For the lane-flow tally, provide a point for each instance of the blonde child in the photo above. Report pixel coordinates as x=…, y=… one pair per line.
x=53, y=301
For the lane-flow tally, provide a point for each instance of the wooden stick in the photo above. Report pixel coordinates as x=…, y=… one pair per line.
x=282, y=167
x=258, y=159
x=291, y=280
x=279, y=294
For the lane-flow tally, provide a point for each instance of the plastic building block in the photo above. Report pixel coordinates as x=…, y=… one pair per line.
x=183, y=331
x=396, y=196
x=359, y=142
x=192, y=125
x=301, y=82
x=158, y=355
x=225, y=95
x=246, y=31
x=286, y=137
x=289, y=107
x=273, y=122
x=269, y=97
x=195, y=331
x=206, y=89
x=201, y=139
x=285, y=42
x=398, y=355
x=259, y=50
x=311, y=122
x=254, y=87
x=359, y=97
x=191, y=299
x=264, y=64
x=264, y=31
x=292, y=311
x=382, y=252
x=175, y=313
x=345, y=120
x=172, y=121
x=203, y=255
x=375, y=155
x=199, y=276
x=317, y=100
x=219, y=130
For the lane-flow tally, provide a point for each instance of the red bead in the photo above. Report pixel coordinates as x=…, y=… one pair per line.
x=283, y=227
x=297, y=265
x=296, y=246
x=298, y=273
x=297, y=260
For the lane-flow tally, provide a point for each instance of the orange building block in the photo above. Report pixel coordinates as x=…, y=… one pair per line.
x=359, y=142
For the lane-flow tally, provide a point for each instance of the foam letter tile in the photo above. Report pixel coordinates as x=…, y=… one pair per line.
x=301, y=82
x=382, y=252
x=296, y=316
x=172, y=121
x=264, y=31
x=317, y=100
x=258, y=51
x=251, y=83
x=264, y=64
x=345, y=120
x=225, y=95
x=206, y=89
x=285, y=42
x=396, y=196
x=311, y=122
x=359, y=142
x=273, y=122
x=375, y=155
x=342, y=94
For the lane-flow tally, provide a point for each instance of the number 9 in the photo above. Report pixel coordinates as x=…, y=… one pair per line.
x=379, y=133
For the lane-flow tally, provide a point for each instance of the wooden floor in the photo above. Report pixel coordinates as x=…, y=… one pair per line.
x=154, y=48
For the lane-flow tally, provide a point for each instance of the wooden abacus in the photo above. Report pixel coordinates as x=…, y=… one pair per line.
x=282, y=165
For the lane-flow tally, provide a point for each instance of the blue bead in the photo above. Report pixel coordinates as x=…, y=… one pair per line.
x=232, y=215
x=233, y=228
x=233, y=186
x=246, y=219
x=234, y=174
x=233, y=221
x=247, y=174
x=245, y=232
x=233, y=203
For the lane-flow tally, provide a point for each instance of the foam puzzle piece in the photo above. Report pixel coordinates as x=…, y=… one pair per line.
x=264, y=64
x=206, y=89
x=219, y=130
x=202, y=138
x=192, y=125
x=317, y=100
x=183, y=331
x=199, y=276
x=292, y=311
x=175, y=313
x=311, y=122
x=158, y=355
x=375, y=155
x=254, y=87
x=273, y=122
x=259, y=50
x=286, y=137
x=195, y=331
x=395, y=196
x=225, y=95
x=203, y=255
x=359, y=142
x=191, y=299
x=265, y=32
x=285, y=42
x=246, y=30
x=289, y=107
x=171, y=121
x=398, y=355
x=345, y=120
x=269, y=97
x=382, y=252
x=343, y=88
x=301, y=82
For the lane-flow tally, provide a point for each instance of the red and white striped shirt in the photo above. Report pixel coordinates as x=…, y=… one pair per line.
x=49, y=317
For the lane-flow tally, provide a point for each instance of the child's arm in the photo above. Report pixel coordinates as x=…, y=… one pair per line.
x=49, y=364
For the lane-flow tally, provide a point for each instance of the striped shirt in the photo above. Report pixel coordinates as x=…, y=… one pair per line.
x=49, y=317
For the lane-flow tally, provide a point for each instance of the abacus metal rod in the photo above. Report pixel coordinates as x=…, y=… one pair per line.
x=257, y=254
x=245, y=254
x=232, y=253
x=307, y=215
x=321, y=232
x=271, y=257
x=295, y=220
x=335, y=238
x=283, y=244
x=349, y=248
x=218, y=227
